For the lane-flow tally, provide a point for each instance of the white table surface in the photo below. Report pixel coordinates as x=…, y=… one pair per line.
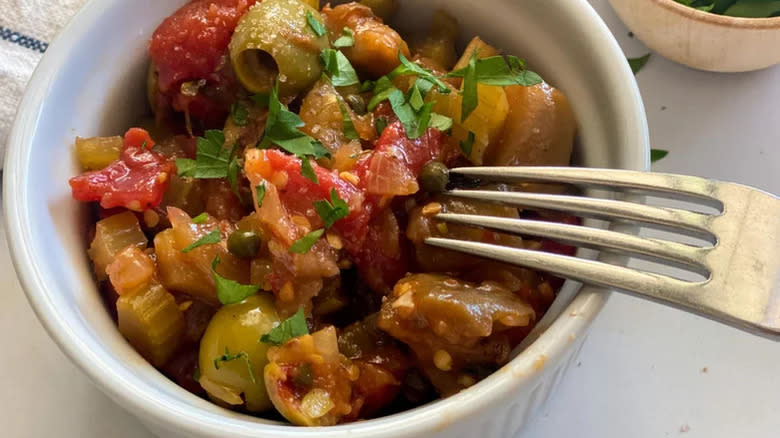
x=645, y=370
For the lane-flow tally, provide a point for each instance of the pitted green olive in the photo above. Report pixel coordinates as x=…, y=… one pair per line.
x=231, y=343
x=274, y=40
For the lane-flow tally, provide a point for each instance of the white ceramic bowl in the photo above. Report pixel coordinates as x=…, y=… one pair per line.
x=90, y=82
x=702, y=40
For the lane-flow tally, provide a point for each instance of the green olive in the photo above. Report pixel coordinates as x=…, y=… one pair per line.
x=434, y=177
x=244, y=244
x=234, y=332
x=357, y=104
x=274, y=40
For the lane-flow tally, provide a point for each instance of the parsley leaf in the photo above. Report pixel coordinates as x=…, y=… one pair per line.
x=185, y=167
x=416, y=98
x=501, y=71
x=281, y=128
x=338, y=67
x=470, y=97
x=637, y=63
x=331, y=211
x=657, y=154
x=308, y=171
x=349, y=128
x=290, y=328
x=468, y=144
x=229, y=291
x=260, y=192
x=212, y=159
x=304, y=244
x=405, y=113
x=382, y=90
x=209, y=239
x=410, y=68
x=347, y=39
x=440, y=122
x=315, y=24
x=227, y=357
x=239, y=114
x=200, y=219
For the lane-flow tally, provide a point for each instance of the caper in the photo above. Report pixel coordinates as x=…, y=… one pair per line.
x=434, y=177
x=357, y=104
x=244, y=244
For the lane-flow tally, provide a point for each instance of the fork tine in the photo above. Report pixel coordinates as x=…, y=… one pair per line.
x=588, y=271
x=586, y=236
x=660, y=182
x=606, y=208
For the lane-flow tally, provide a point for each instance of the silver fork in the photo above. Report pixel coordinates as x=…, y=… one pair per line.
x=741, y=268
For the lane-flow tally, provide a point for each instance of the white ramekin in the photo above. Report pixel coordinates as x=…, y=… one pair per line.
x=90, y=82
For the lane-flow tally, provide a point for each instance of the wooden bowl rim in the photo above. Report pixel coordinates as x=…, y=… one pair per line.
x=716, y=19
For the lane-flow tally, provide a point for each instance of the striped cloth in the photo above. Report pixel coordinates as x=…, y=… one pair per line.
x=26, y=28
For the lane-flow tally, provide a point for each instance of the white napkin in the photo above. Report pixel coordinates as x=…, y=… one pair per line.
x=26, y=29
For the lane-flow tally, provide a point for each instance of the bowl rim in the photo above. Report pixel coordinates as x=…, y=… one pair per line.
x=134, y=394
x=717, y=19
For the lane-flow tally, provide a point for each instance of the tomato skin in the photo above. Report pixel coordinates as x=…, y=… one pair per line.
x=136, y=181
x=396, y=162
x=191, y=45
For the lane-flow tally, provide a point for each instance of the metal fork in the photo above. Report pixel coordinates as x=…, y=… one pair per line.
x=741, y=268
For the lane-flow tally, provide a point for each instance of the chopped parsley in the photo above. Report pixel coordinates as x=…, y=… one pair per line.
x=657, y=154
x=315, y=24
x=200, y=219
x=212, y=159
x=339, y=69
x=260, y=193
x=470, y=97
x=333, y=210
x=347, y=39
x=637, y=63
x=304, y=244
x=281, y=129
x=467, y=144
x=382, y=90
x=501, y=71
x=228, y=357
x=239, y=114
x=349, y=128
x=209, y=239
x=440, y=122
x=410, y=68
x=290, y=328
x=308, y=171
x=229, y=291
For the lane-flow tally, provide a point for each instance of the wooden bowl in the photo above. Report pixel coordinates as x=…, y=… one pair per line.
x=700, y=39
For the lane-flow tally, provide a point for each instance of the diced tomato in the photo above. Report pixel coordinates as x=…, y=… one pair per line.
x=298, y=193
x=396, y=162
x=383, y=257
x=191, y=45
x=136, y=181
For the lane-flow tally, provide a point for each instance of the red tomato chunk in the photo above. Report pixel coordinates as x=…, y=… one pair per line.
x=136, y=181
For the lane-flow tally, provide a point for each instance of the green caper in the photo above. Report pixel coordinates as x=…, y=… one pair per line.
x=357, y=104
x=434, y=177
x=244, y=244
